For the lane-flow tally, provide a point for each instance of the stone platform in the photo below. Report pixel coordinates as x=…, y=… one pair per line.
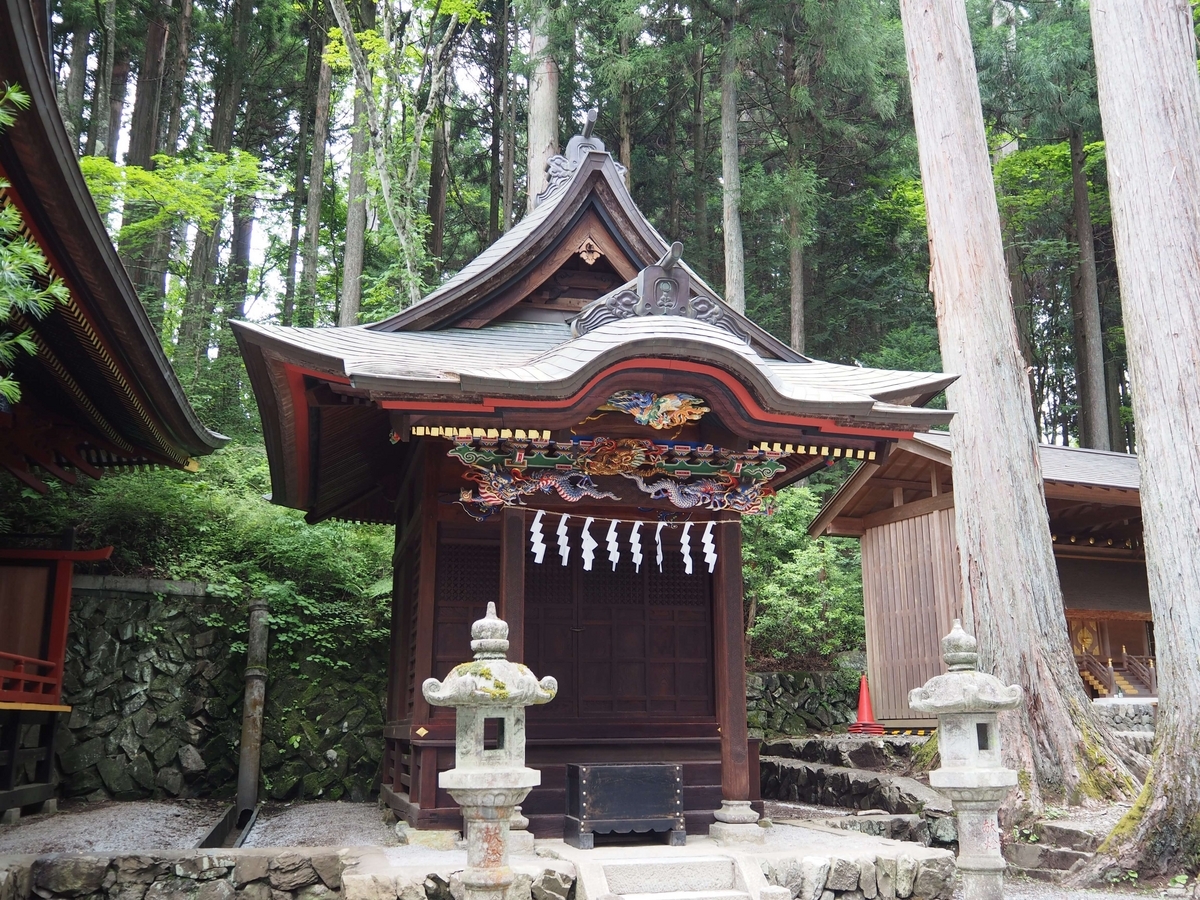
x=795, y=861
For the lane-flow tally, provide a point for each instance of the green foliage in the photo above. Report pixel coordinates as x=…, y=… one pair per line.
x=176, y=192
x=25, y=286
x=323, y=581
x=806, y=593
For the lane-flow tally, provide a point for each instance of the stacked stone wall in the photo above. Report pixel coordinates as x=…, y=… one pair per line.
x=156, y=697
x=792, y=703
x=1127, y=715
x=319, y=874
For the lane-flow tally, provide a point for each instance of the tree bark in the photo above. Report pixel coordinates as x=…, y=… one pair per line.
x=543, y=103
x=1150, y=106
x=1010, y=581
x=439, y=179
x=499, y=77
x=76, y=85
x=625, y=116
x=699, y=149
x=509, y=151
x=144, y=124
x=116, y=101
x=1085, y=303
x=356, y=198
x=183, y=52
x=307, y=307
x=101, y=112
x=731, y=171
x=795, y=233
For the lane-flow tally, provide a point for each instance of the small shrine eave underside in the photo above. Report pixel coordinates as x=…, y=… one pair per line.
x=535, y=375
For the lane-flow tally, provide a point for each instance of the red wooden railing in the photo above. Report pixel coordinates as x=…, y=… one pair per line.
x=1102, y=673
x=21, y=682
x=27, y=679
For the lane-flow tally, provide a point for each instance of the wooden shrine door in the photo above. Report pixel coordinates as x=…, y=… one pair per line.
x=622, y=644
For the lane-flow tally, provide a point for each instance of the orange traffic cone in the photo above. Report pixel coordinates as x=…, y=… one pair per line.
x=865, y=723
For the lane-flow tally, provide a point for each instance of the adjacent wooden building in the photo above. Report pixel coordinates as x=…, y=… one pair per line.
x=902, y=509
x=98, y=396
x=576, y=368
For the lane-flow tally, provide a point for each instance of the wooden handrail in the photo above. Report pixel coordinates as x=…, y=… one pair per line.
x=1099, y=670
x=24, y=660
x=1145, y=673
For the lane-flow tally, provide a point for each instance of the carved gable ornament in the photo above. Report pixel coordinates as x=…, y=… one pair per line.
x=663, y=289
x=560, y=168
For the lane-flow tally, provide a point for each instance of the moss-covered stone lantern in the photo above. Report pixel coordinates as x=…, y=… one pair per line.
x=488, y=782
x=967, y=703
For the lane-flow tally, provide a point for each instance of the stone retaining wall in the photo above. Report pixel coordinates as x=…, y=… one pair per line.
x=921, y=875
x=293, y=874
x=1126, y=714
x=798, y=702
x=157, y=697
x=805, y=782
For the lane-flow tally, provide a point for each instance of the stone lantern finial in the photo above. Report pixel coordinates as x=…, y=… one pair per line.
x=489, y=636
x=960, y=650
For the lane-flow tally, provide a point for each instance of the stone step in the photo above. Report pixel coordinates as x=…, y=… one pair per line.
x=644, y=877
x=1070, y=836
x=1041, y=856
x=690, y=895
x=1048, y=875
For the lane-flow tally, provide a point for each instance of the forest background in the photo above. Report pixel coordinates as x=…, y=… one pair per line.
x=248, y=169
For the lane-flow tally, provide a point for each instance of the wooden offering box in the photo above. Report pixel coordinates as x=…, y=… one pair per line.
x=607, y=799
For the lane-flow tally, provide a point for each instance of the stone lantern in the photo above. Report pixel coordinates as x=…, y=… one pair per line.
x=966, y=702
x=488, y=783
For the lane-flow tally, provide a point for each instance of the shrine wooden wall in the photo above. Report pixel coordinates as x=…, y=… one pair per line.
x=635, y=653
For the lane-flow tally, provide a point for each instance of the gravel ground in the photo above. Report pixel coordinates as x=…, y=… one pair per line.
x=113, y=827
x=321, y=824
x=1027, y=889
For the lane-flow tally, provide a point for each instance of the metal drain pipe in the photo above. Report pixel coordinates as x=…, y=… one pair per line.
x=252, y=712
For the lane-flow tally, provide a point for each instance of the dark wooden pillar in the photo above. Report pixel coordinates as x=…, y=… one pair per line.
x=512, y=580
x=729, y=634
x=427, y=586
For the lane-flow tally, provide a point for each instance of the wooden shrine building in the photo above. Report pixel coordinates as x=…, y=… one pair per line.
x=903, y=510
x=98, y=396
x=572, y=426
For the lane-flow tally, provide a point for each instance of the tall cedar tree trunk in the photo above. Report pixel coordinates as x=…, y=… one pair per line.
x=699, y=148
x=543, y=103
x=183, y=52
x=674, y=101
x=795, y=237
x=100, y=113
x=76, y=84
x=731, y=170
x=439, y=180
x=1010, y=582
x=144, y=124
x=1150, y=106
x=316, y=44
x=356, y=196
x=116, y=100
x=508, y=175
x=1085, y=306
x=143, y=144
x=307, y=306
x=499, y=74
x=625, y=114
x=196, y=319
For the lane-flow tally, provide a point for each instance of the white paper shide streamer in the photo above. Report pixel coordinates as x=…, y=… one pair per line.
x=658, y=556
x=588, y=545
x=710, y=549
x=635, y=545
x=536, y=545
x=614, y=549
x=685, y=547
x=564, y=545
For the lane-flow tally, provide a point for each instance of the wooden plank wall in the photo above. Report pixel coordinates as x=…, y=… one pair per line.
x=910, y=598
